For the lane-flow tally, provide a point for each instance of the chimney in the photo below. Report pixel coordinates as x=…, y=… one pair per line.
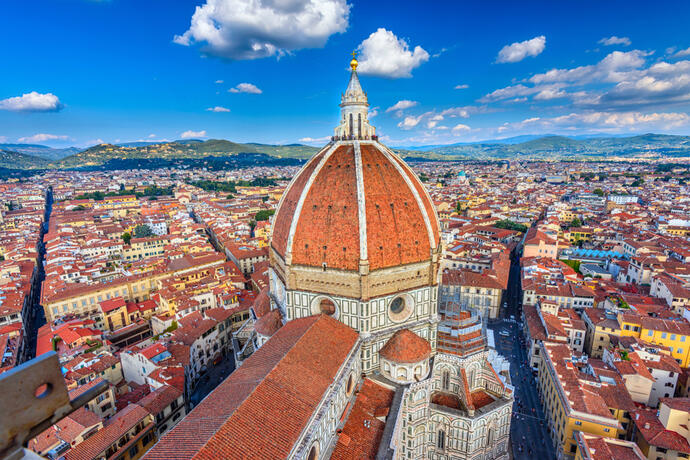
x=646, y=426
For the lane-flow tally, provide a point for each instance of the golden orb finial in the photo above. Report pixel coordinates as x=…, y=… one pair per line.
x=353, y=62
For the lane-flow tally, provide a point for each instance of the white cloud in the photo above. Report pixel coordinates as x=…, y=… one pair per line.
x=3, y=139
x=460, y=127
x=462, y=86
x=613, y=40
x=217, y=109
x=608, y=69
x=42, y=138
x=604, y=122
x=245, y=88
x=410, y=122
x=32, y=102
x=632, y=83
x=383, y=54
x=373, y=112
x=253, y=29
x=192, y=134
x=312, y=140
x=151, y=136
x=399, y=106
x=682, y=53
x=518, y=51
x=218, y=82
x=550, y=93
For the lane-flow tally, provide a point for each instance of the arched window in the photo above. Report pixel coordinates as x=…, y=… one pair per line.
x=441, y=439
x=313, y=452
x=351, y=126
x=445, y=380
x=359, y=125
x=350, y=385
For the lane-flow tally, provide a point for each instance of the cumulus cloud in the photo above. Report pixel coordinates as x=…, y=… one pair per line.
x=619, y=80
x=410, y=122
x=608, y=69
x=518, y=51
x=42, y=138
x=3, y=139
x=253, y=29
x=613, y=40
x=373, y=112
x=399, y=106
x=462, y=86
x=32, y=102
x=217, y=109
x=192, y=134
x=383, y=54
x=460, y=127
x=550, y=93
x=661, y=84
x=245, y=88
x=219, y=82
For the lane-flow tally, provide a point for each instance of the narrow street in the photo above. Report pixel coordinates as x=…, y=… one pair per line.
x=528, y=432
x=212, y=378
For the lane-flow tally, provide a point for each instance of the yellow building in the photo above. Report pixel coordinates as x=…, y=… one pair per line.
x=128, y=436
x=580, y=234
x=114, y=314
x=674, y=335
x=83, y=299
x=573, y=403
x=600, y=327
x=145, y=247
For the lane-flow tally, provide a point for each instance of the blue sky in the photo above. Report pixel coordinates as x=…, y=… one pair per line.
x=80, y=72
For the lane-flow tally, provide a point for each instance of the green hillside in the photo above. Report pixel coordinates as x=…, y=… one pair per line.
x=16, y=160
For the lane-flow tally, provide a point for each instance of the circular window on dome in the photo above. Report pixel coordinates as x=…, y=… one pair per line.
x=399, y=309
x=327, y=307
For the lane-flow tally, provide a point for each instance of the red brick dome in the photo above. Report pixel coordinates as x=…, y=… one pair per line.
x=355, y=203
x=405, y=347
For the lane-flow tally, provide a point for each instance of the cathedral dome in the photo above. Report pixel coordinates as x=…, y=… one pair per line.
x=354, y=203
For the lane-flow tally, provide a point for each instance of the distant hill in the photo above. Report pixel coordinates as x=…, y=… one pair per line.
x=559, y=147
x=17, y=160
x=29, y=156
x=41, y=151
x=190, y=149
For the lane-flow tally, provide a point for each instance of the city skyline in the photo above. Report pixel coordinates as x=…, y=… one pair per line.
x=117, y=71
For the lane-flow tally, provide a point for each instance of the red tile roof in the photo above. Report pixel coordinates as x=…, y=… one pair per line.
x=405, y=347
x=260, y=410
x=358, y=441
x=327, y=229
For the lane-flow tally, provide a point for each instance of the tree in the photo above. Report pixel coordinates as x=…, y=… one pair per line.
x=637, y=183
x=143, y=231
x=230, y=197
x=598, y=191
x=510, y=225
x=576, y=222
x=423, y=177
x=264, y=214
x=126, y=237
